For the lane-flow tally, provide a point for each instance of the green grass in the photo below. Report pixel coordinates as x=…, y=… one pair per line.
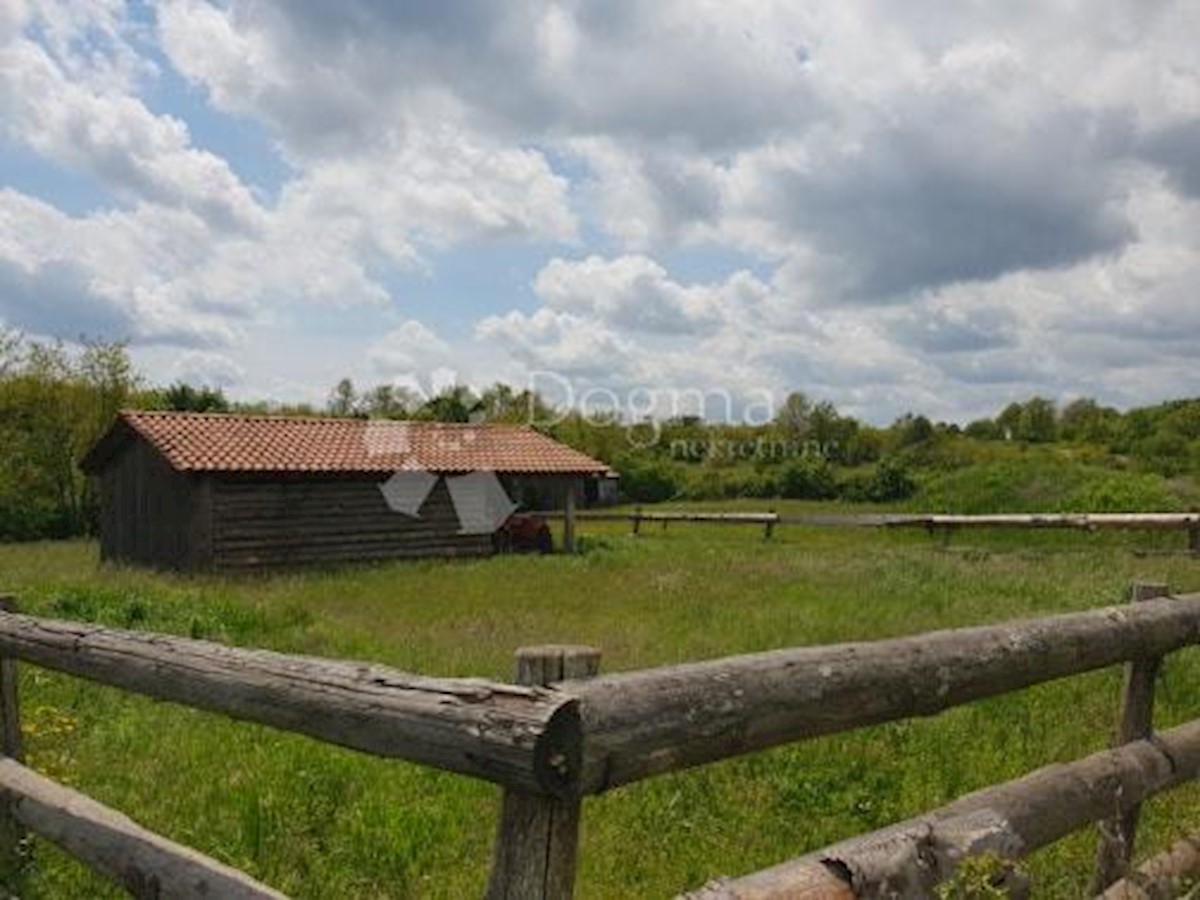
x=316, y=821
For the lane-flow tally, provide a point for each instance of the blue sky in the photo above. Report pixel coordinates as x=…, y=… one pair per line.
x=894, y=207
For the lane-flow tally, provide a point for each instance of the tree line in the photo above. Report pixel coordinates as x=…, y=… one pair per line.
x=56, y=401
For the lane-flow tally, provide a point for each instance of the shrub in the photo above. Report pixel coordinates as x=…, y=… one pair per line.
x=808, y=479
x=1126, y=492
x=890, y=481
x=648, y=482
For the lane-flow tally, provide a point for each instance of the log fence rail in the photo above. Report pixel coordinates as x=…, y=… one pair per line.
x=564, y=732
x=936, y=523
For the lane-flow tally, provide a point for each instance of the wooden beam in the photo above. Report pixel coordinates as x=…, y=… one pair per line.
x=538, y=837
x=13, y=838
x=1115, y=850
x=569, y=519
x=524, y=737
x=1010, y=820
x=1167, y=874
x=147, y=865
x=1189, y=522
x=640, y=724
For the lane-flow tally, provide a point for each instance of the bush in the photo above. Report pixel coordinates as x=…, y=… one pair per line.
x=1126, y=492
x=649, y=482
x=808, y=479
x=890, y=481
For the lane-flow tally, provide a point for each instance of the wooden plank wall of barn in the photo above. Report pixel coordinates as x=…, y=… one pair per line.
x=145, y=510
x=260, y=522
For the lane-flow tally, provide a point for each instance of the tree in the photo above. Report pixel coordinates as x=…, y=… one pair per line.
x=1086, y=420
x=911, y=431
x=795, y=415
x=10, y=350
x=389, y=401
x=182, y=397
x=984, y=430
x=454, y=404
x=1038, y=422
x=501, y=403
x=54, y=404
x=343, y=400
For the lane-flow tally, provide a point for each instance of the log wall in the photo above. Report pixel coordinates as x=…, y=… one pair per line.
x=149, y=513
x=268, y=522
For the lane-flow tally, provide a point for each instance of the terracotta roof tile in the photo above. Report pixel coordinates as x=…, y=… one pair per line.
x=211, y=442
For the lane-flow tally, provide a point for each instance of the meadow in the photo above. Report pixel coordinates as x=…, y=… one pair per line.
x=320, y=822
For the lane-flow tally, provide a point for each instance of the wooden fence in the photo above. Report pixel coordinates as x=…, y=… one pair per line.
x=564, y=732
x=944, y=524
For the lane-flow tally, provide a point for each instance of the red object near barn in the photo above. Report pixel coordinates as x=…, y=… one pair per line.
x=525, y=533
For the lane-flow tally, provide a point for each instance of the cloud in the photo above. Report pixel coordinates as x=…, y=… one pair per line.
x=918, y=206
x=58, y=299
x=409, y=350
x=112, y=136
x=630, y=292
x=1177, y=150
x=562, y=342
x=197, y=367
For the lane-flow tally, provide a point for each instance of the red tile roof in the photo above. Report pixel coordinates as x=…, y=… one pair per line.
x=212, y=442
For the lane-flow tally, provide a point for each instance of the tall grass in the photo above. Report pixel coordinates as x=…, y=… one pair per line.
x=318, y=821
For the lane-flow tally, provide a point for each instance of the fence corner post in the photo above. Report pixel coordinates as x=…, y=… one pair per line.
x=13, y=837
x=1115, y=851
x=537, y=838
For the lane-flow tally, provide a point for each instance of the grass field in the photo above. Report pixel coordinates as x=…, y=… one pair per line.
x=317, y=821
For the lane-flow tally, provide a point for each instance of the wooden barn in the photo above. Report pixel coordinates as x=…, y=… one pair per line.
x=204, y=491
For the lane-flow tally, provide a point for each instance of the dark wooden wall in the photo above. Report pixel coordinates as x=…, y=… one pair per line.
x=267, y=521
x=155, y=516
x=149, y=513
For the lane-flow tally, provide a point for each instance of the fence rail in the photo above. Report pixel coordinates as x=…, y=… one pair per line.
x=510, y=734
x=639, y=724
x=944, y=524
x=565, y=732
x=1010, y=820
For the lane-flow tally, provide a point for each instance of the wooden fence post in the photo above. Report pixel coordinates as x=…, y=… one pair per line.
x=569, y=520
x=1136, y=723
x=1194, y=540
x=538, y=836
x=637, y=519
x=12, y=835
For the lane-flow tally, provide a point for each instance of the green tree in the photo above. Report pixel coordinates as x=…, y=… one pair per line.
x=343, y=400
x=182, y=397
x=1038, y=421
x=454, y=404
x=795, y=415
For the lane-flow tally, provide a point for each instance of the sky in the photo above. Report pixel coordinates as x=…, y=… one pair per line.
x=927, y=206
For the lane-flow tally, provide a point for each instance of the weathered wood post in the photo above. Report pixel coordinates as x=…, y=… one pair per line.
x=12, y=835
x=1136, y=723
x=538, y=836
x=569, y=519
x=637, y=519
x=770, y=526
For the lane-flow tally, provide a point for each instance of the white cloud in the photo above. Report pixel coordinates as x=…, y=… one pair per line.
x=918, y=206
x=198, y=367
x=113, y=137
x=631, y=292
x=411, y=350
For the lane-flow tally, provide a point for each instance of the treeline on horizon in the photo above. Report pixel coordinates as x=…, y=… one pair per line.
x=56, y=401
